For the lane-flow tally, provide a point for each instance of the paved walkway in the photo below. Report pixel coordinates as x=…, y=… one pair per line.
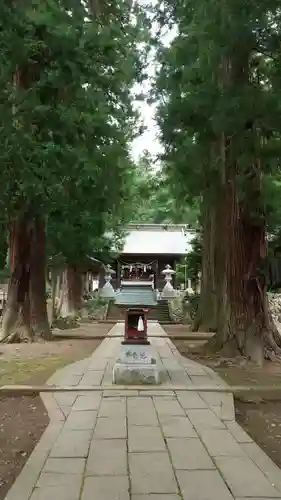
x=167, y=445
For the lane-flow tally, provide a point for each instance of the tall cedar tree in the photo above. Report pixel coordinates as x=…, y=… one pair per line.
x=217, y=86
x=66, y=121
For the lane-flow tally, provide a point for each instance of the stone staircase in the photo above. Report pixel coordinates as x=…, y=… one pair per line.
x=158, y=312
x=114, y=312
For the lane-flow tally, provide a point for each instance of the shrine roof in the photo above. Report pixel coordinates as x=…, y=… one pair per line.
x=136, y=296
x=155, y=239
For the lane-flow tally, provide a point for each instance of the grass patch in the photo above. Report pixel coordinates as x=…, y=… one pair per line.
x=39, y=362
x=34, y=370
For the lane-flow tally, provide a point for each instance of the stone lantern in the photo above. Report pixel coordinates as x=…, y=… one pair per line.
x=168, y=290
x=189, y=289
x=107, y=291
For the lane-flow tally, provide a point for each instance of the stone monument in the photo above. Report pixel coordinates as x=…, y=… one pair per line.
x=136, y=364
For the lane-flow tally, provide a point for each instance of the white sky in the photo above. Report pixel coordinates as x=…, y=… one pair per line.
x=149, y=139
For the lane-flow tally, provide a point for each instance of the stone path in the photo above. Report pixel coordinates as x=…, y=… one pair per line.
x=130, y=445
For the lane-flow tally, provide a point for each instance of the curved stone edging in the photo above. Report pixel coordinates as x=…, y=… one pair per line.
x=233, y=463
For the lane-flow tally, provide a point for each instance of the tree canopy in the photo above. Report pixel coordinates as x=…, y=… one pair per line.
x=153, y=199
x=218, y=86
x=67, y=121
x=68, y=118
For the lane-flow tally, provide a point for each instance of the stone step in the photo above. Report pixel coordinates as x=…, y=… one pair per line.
x=159, y=312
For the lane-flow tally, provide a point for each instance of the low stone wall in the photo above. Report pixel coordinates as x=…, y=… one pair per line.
x=176, y=309
x=96, y=309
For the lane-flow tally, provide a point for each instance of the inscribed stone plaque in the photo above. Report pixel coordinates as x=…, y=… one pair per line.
x=138, y=354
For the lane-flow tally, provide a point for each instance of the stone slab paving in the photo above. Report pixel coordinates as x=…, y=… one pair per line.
x=144, y=445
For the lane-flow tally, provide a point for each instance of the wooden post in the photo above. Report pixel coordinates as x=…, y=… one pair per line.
x=118, y=275
x=157, y=275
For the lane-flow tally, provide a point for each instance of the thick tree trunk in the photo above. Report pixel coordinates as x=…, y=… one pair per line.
x=206, y=317
x=60, y=291
x=18, y=289
x=56, y=279
x=64, y=302
x=242, y=251
x=25, y=320
x=219, y=245
x=75, y=290
x=221, y=248
x=26, y=292
x=38, y=299
x=11, y=311
x=246, y=283
x=62, y=295
x=245, y=318
x=72, y=291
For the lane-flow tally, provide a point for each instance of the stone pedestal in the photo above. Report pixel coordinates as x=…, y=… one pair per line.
x=136, y=366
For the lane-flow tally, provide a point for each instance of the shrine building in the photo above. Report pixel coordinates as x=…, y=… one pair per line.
x=147, y=250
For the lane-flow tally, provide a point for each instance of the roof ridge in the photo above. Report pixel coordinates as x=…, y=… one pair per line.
x=163, y=226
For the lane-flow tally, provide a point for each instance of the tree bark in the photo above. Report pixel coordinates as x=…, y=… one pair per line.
x=247, y=253
x=242, y=243
x=71, y=293
x=55, y=284
x=242, y=315
x=75, y=290
x=217, y=246
x=62, y=294
x=38, y=299
x=18, y=289
x=25, y=320
x=221, y=245
x=26, y=301
x=206, y=316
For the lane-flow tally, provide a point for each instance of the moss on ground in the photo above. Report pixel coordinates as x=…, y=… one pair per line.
x=34, y=370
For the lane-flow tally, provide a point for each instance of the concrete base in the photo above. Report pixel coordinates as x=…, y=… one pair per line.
x=135, y=374
x=135, y=366
x=139, y=342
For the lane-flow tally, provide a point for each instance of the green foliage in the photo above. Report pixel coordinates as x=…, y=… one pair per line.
x=193, y=260
x=202, y=98
x=191, y=263
x=192, y=305
x=97, y=307
x=96, y=303
x=153, y=199
x=67, y=118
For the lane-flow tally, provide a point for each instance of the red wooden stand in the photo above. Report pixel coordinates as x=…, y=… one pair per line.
x=132, y=335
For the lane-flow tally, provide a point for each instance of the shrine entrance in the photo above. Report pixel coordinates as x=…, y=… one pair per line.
x=138, y=271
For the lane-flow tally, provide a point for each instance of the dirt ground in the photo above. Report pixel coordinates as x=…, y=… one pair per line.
x=259, y=414
x=24, y=419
